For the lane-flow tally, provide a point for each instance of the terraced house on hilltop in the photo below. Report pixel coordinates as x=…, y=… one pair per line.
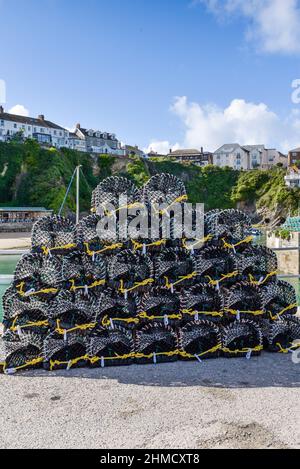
x=245, y=157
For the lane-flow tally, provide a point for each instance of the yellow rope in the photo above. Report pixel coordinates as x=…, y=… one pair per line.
x=136, y=285
x=106, y=321
x=82, y=327
x=287, y=308
x=190, y=312
x=111, y=247
x=144, y=315
x=224, y=276
x=14, y=328
x=191, y=246
x=33, y=362
x=258, y=312
x=179, y=199
x=128, y=207
x=69, y=363
x=181, y=279
x=261, y=282
x=287, y=350
x=46, y=290
x=47, y=251
x=97, y=283
x=137, y=245
x=258, y=348
x=185, y=354
x=248, y=239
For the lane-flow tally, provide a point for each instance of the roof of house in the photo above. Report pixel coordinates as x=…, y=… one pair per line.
x=24, y=209
x=295, y=150
x=253, y=147
x=185, y=151
x=230, y=147
x=86, y=132
x=29, y=121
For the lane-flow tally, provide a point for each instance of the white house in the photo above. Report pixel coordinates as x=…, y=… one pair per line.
x=248, y=157
x=232, y=155
x=40, y=129
x=292, y=179
x=95, y=141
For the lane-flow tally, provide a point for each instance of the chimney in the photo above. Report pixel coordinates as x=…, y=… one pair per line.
x=78, y=126
x=170, y=150
x=202, y=150
x=1, y=110
x=41, y=117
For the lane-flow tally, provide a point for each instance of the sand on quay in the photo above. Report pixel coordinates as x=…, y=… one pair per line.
x=15, y=241
x=222, y=403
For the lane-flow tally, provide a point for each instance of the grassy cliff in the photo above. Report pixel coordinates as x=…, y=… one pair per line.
x=30, y=175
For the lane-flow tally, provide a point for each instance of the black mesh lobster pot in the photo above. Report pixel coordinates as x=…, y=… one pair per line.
x=155, y=343
x=130, y=272
x=111, y=347
x=283, y=333
x=114, y=193
x=159, y=305
x=257, y=264
x=65, y=352
x=199, y=340
x=53, y=235
x=68, y=313
x=31, y=317
x=202, y=301
x=36, y=275
x=94, y=241
x=216, y=266
x=279, y=299
x=229, y=225
x=14, y=304
x=113, y=309
x=23, y=351
x=164, y=189
x=244, y=300
x=83, y=273
x=242, y=338
x=175, y=268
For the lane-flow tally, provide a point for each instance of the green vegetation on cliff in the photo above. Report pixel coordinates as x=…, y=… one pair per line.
x=30, y=175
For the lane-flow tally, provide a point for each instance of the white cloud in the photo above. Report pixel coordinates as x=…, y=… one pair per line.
x=19, y=110
x=161, y=147
x=243, y=122
x=274, y=24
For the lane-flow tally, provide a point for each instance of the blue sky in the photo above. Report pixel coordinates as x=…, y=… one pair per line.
x=158, y=73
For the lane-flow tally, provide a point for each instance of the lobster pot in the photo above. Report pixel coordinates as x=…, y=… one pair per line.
x=14, y=304
x=257, y=264
x=113, y=309
x=284, y=334
x=113, y=193
x=199, y=340
x=130, y=272
x=216, y=266
x=65, y=352
x=159, y=305
x=73, y=269
x=242, y=338
x=244, y=300
x=53, y=235
x=155, y=343
x=23, y=351
x=279, y=299
x=111, y=347
x=230, y=225
x=31, y=317
x=95, y=236
x=201, y=301
x=175, y=268
x=68, y=312
x=164, y=189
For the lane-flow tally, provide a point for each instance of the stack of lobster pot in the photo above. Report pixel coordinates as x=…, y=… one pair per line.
x=98, y=295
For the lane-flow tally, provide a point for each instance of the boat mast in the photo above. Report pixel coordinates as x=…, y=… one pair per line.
x=77, y=193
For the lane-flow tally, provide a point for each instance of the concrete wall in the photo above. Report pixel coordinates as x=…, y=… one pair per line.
x=288, y=261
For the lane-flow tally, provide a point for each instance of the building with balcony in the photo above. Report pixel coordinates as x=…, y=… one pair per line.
x=43, y=131
x=194, y=156
x=292, y=178
x=95, y=141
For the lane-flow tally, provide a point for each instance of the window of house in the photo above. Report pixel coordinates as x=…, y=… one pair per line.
x=15, y=126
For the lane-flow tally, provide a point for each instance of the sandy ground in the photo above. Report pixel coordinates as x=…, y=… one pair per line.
x=217, y=404
x=15, y=240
